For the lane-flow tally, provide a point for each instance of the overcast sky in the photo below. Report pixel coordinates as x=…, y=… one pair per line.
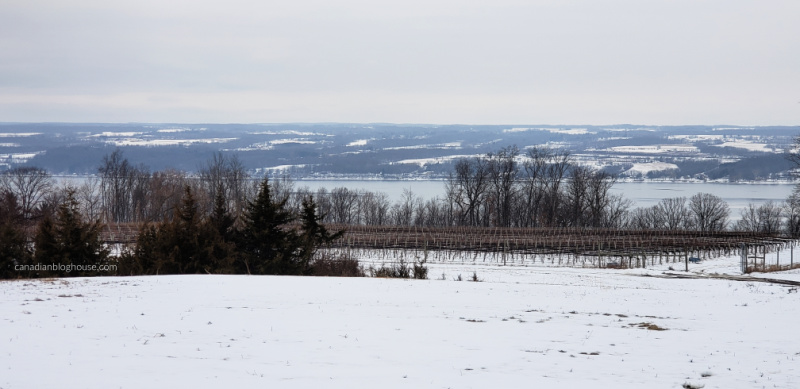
x=480, y=62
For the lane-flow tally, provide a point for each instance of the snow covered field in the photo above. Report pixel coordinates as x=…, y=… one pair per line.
x=520, y=327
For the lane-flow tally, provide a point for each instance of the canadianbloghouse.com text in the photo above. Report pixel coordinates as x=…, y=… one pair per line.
x=59, y=267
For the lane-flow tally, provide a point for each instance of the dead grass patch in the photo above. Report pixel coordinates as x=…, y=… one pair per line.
x=771, y=268
x=476, y=321
x=648, y=326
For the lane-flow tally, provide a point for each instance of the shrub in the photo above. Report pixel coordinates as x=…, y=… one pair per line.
x=341, y=266
x=420, y=270
x=402, y=269
x=395, y=270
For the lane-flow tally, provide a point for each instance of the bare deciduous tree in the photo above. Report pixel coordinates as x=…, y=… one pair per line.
x=228, y=174
x=375, y=208
x=673, y=213
x=344, y=205
x=30, y=185
x=534, y=183
x=600, y=199
x=708, y=212
x=405, y=212
x=766, y=218
x=616, y=212
x=90, y=198
x=576, y=191
x=503, y=172
x=166, y=189
x=467, y=186
x=792, y=213
x=644, y=218
x=117, y=182
x=555, y=174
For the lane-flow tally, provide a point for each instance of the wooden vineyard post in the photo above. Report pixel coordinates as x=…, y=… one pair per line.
x=743, y=249
x=505, y=249
x=600, y=255
x=686, y=255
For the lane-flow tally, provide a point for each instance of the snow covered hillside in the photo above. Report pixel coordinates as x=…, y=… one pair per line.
x=517, y=328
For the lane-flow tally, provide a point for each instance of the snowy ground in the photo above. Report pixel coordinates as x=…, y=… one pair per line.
x=521, y=327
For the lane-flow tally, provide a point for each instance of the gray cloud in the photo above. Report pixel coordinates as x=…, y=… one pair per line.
x=573, y=61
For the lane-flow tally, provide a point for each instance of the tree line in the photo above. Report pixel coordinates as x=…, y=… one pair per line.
x=544, y=188
x=217, y=220
x=49, y=231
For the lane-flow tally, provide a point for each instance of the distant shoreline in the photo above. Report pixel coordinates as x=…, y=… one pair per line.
x=433, y=179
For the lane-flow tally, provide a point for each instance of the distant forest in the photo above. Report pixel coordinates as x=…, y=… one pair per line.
x=399, y=151
x=548, y=189
x=753, y=168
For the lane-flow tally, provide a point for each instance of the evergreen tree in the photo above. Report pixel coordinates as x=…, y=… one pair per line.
x=313, y=234
x=188, y=244
x=171, y=247
x=221, y=220
x=183, y=235
x=13, y=243
x=142, y=260
x=68, y=241
x=266, y=243
x=218, y=237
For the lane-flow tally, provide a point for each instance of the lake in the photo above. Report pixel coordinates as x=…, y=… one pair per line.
x=643, y=194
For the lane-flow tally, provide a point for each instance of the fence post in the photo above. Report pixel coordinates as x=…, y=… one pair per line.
x=686, y=257
x=743, y=248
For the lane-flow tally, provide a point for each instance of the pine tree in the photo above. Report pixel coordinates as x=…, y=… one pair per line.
x=13, y=246
x=187, y=244
x=220, y=219
x=142, y=260
x=266, y=243
x=68, y=241
x=313, y=234
x=172, y=247
x=217, y=236
x=47, y=250
x=186, y=248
